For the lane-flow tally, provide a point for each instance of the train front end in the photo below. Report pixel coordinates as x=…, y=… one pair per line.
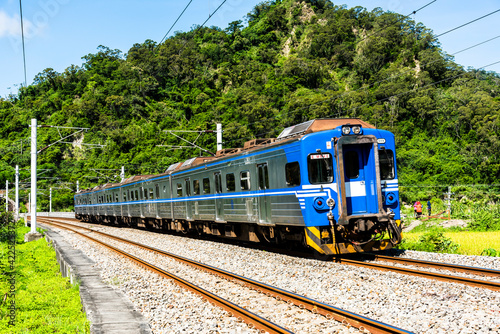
x=351, y=200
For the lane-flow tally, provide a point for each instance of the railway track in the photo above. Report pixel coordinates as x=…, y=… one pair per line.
x=329, y=311
x=432, y=275
x=431, y=264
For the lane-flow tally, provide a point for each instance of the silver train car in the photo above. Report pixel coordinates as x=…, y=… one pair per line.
x=327, y=184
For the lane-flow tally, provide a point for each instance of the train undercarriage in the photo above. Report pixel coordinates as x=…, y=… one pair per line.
x=359, y=236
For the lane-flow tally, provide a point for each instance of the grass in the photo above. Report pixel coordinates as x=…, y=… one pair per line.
x=470, y=242
x=46, y=302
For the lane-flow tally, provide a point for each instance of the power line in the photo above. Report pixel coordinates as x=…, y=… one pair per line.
x=399, y=19
x=22, y=37
x=164, y=37
x=463, y=25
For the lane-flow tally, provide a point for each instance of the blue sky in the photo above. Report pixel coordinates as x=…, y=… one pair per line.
x=59, y=32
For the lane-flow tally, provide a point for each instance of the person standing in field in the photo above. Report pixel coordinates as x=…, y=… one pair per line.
x=418, y=209
x=429, y=208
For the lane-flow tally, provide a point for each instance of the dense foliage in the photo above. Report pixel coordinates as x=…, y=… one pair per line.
x=292, y=61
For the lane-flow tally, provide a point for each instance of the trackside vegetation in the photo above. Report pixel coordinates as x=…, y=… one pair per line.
x=45, y=302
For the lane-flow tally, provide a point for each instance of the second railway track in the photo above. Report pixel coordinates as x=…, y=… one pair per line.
x=330, y=312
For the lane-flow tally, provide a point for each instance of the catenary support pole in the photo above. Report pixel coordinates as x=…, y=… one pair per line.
x=16, y=209
x=7, y=196
x=122, y=174
x=219, y=136
x=50, y=200
x=33, y=175
x=77, y=186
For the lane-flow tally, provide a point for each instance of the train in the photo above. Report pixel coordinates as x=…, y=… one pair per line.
x=329, y=185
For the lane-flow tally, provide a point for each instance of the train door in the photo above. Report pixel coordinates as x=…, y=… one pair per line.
x=359, y=176
x=189, y=209
x=263, y=201
x=219, y=205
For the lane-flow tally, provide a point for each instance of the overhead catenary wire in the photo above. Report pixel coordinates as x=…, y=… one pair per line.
x=164, y=37
x=22, y=38
x=465, y=24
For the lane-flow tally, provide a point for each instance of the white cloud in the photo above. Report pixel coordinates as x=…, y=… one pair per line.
x=9, y=26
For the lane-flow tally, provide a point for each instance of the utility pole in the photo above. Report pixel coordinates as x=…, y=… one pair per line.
x=50, y=201
x=16, y=209
x=448, y=198
x=33, y=175
x=219, y=136
x=77, y=186
x=122, y=174
x=6, y=195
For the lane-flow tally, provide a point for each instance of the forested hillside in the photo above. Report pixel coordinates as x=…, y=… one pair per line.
x=290, y=62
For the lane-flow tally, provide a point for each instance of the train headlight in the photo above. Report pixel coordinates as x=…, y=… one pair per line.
x=346, y=130
x=356, y=129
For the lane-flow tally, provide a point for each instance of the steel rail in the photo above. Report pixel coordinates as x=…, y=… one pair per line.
x=437, y=265
x=427, y=274
x=330, y=312
x=252, y=319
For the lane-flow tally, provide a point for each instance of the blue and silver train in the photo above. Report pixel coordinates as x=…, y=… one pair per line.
x=328, y=184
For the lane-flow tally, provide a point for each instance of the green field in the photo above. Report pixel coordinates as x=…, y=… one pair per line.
x=470, y=243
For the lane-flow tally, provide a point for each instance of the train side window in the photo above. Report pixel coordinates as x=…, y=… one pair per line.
x=151, y=193
x=351, y=164
x=196, y=187
x=320, y=168
x=157, y=188
x=145, y=193
x=128, y=195
x=386, y=161
x=188, y=187
x=218, y=183
x=292, y=174
x=179, y=189
x=245, y=180
x=206, y=185
x=230, y=182
x=136, y=195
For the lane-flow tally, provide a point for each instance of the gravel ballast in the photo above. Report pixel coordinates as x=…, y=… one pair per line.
x=415, y=304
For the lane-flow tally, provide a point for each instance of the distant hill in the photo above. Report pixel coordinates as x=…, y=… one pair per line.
x=292, y=61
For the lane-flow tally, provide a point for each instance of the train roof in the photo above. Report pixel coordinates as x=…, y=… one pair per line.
x=288, y=134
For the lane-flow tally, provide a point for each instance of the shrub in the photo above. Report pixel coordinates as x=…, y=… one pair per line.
x=432, y=241
x=490, y=252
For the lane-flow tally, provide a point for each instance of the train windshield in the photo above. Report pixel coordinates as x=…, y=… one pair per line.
x=320, y=168
x=386, y=159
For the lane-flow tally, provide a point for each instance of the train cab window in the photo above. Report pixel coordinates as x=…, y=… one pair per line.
x=245, y=180
x=386, y=160
x=206, y=185
x=196, y=187
x=157, y=188
x=179, y=189
x=230, y=182
x=351, y=164
x=320, y=168
x=292, y=174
